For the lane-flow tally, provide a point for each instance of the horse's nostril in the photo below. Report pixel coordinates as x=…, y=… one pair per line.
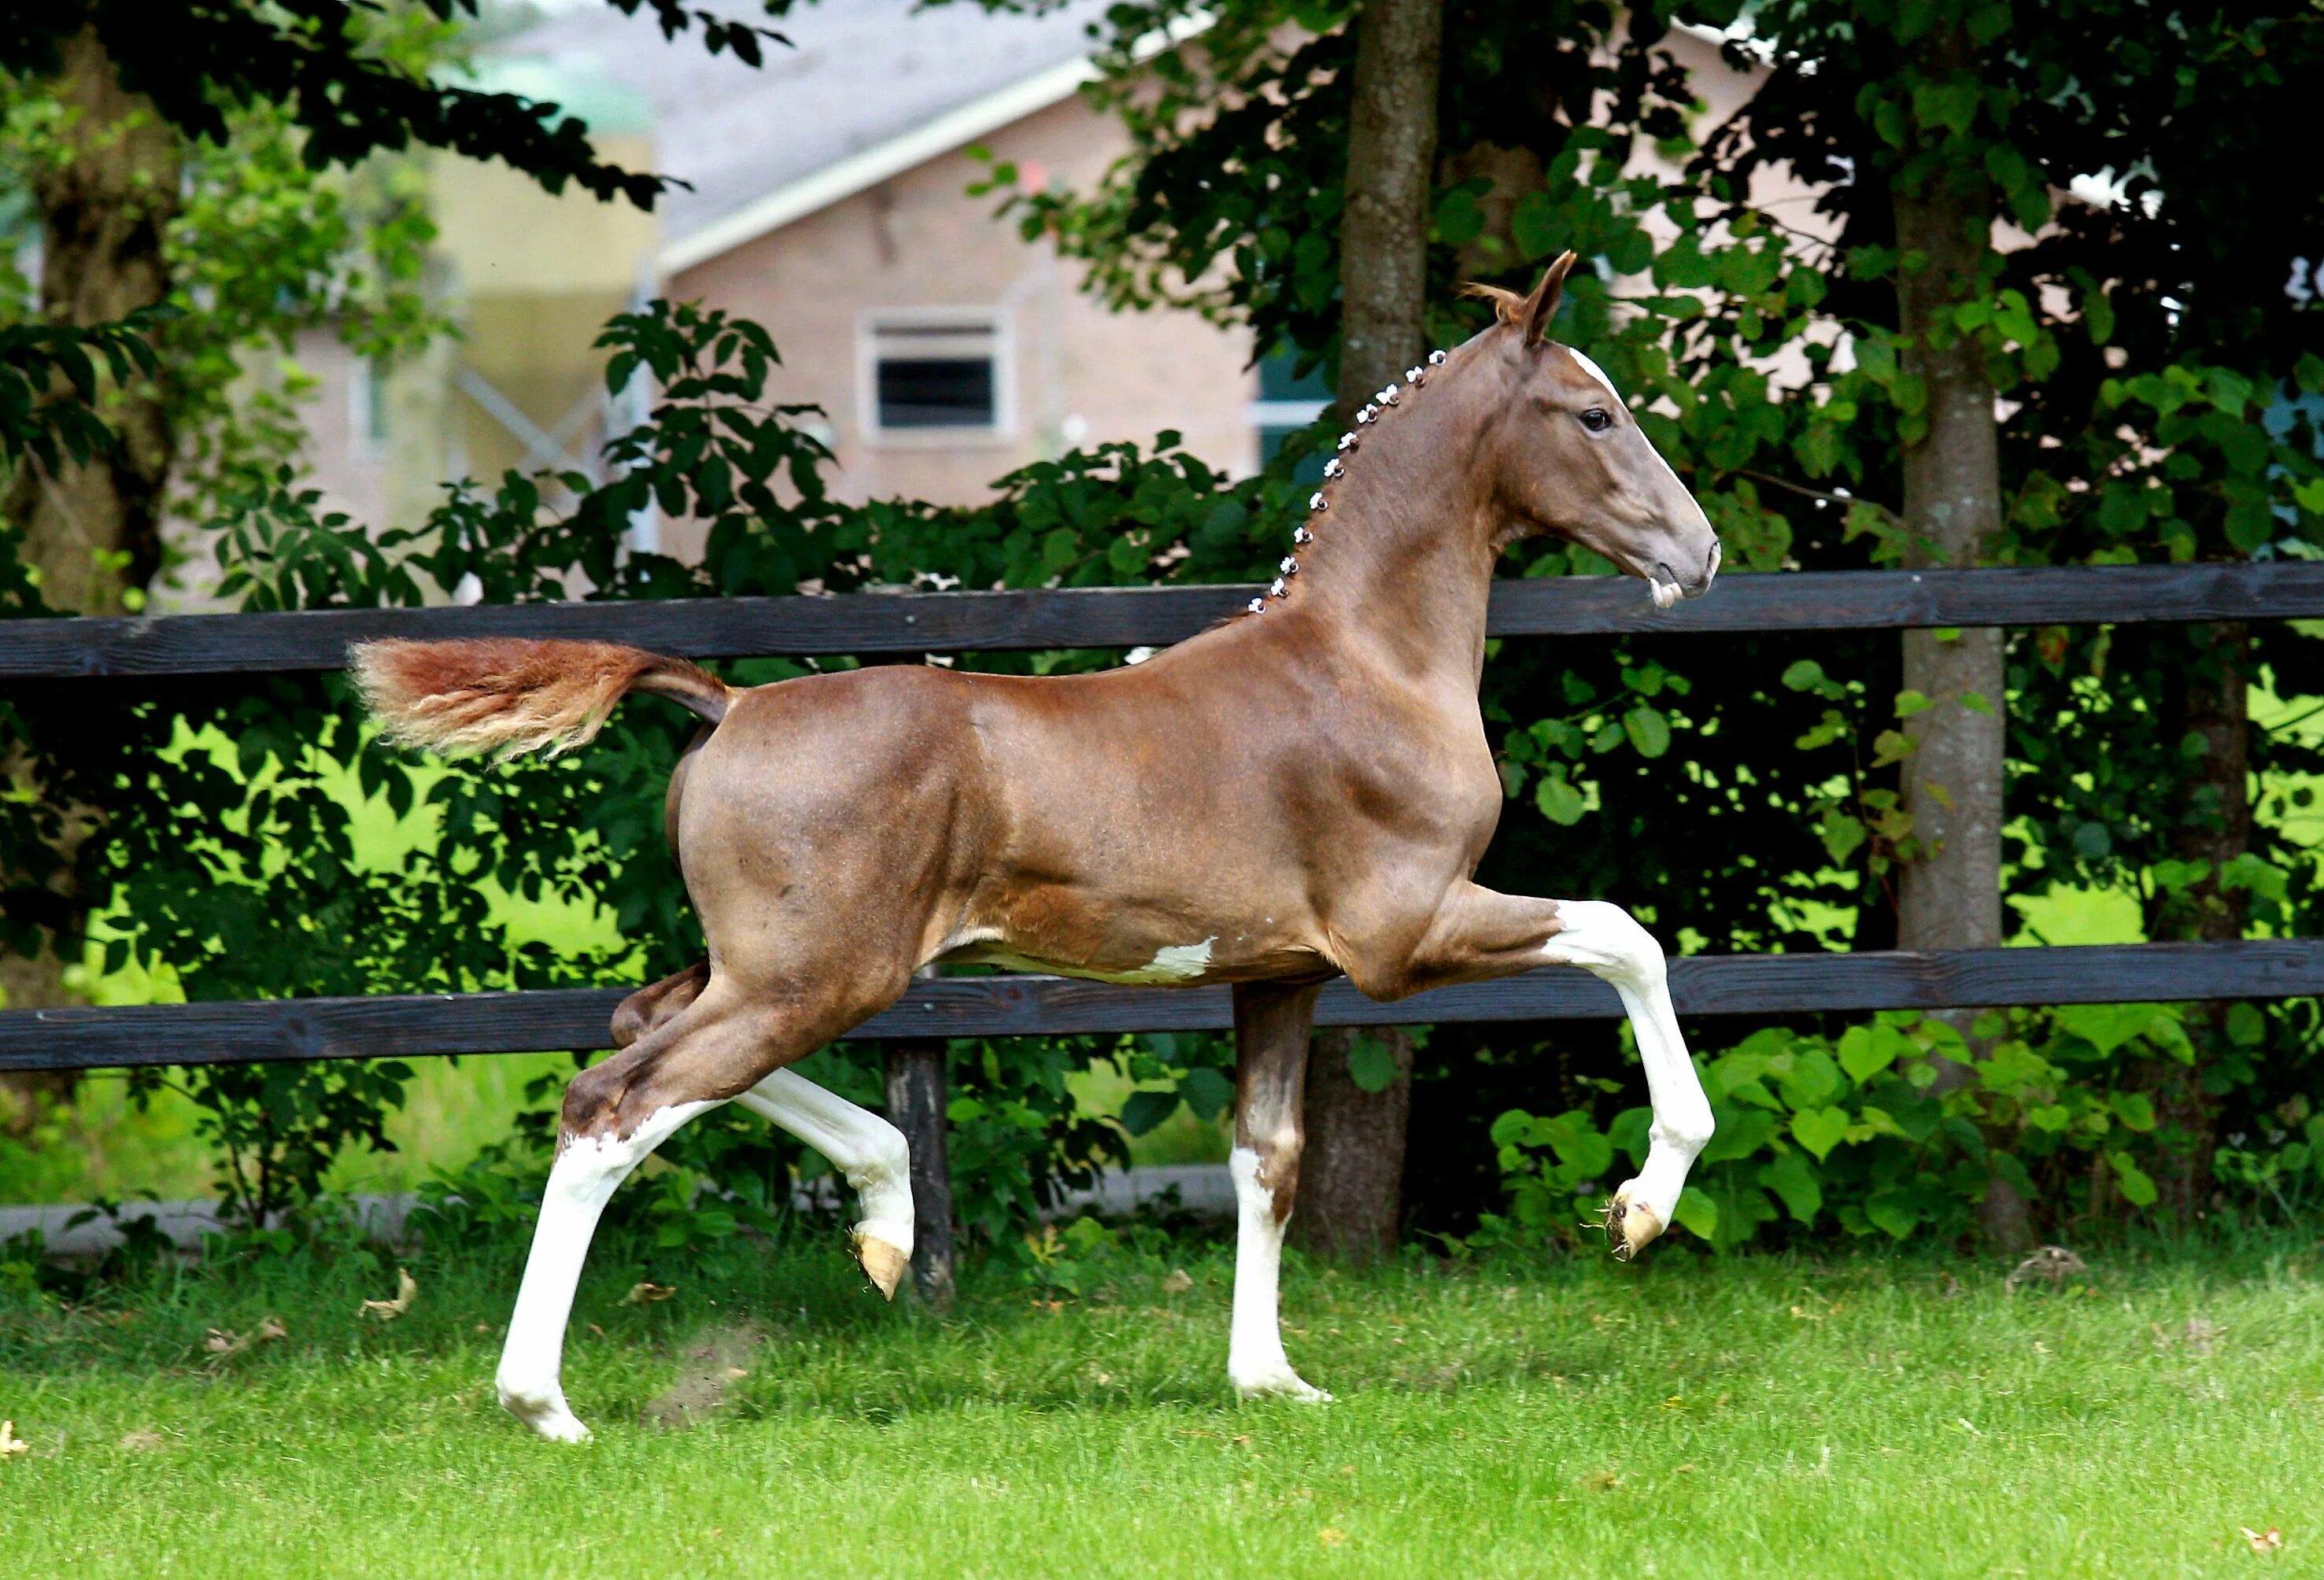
x=1701, y=583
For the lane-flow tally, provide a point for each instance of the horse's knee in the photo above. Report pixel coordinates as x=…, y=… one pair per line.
x=1607, y=941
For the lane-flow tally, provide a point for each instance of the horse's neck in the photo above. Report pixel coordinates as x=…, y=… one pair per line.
x=1401, y=564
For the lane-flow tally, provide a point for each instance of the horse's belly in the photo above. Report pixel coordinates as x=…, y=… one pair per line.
x=1217, y=956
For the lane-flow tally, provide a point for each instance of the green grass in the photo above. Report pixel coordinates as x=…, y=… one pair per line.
x=1570, y=1417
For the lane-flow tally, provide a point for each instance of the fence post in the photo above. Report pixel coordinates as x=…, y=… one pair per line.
x=916, y=1105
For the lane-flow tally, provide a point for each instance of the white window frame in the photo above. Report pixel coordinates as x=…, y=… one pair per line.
x=993, y=321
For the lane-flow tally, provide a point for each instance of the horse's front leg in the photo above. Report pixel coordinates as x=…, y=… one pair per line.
x=1272, y=1023
x=1480, y=934
x=871, y=1154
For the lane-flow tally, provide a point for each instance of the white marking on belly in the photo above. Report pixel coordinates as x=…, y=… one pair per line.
x=1177, y=962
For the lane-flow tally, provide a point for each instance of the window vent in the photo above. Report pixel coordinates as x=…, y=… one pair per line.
x=933, y=374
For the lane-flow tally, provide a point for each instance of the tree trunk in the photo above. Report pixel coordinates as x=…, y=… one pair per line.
x=2214, y=823
x=1352, y=1175
x=95, y=531
x=916, y=1105
x=1351, y=1172
x=92, y=532
x=1949, y=894
x=1391, y=171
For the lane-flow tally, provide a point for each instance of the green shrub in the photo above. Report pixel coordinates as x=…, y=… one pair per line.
x=1888, y=1130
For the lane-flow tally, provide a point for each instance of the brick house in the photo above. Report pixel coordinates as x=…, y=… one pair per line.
x=829, y=204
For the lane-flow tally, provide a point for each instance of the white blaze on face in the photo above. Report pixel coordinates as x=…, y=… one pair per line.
x=1597, y=373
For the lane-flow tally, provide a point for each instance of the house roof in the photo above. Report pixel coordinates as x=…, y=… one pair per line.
x=868, y=88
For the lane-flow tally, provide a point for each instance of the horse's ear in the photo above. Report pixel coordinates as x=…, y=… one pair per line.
x=1540, y=307
x=1533, y=313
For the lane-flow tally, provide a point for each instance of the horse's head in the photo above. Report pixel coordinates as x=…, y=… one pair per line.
x=1571, y=459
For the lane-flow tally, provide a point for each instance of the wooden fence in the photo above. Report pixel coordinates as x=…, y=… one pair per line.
x=407, y=1025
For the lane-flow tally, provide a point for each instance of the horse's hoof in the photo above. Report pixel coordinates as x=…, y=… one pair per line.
x=1630, y=1226
x=1278, y=1382
x=884, y=1265
x=546, y=1413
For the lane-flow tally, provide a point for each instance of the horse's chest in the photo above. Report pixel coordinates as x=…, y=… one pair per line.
x=1440, y=792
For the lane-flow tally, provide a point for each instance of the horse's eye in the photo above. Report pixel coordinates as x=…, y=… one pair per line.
x=1597, y=420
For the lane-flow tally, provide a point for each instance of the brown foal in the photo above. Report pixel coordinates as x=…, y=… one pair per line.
x=1302, y=791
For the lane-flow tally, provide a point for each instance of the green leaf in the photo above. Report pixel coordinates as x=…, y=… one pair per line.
x=1947, y=107
x=2134, y=1109
x=1819, y=1129
x=1371, y=1063
x=2261, y=877
x=1865, y=1053
x=2247, y=1026
x=1460, y=218
x=1207, y=1092
x=1513, y=1128
x=2175, y=877
x=1534, y=225
x=1909, y=702
x=1697, y=1213
x=1803, y=675
x=1648, y=731
x=1146, y=1110
x=1842, y=834
x=1812, y=1079
x=1793, y=1180
x=2137, y=1189
x=2106, y=1026
x=1558, y=799
x=1893, y=1213
x=1739, y=1134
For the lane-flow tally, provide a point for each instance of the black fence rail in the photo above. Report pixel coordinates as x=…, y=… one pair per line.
x=409, y=1025
x=1130, y=617
x=418, y=1024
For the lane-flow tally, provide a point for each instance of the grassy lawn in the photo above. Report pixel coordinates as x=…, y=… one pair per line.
x=1563, y=1417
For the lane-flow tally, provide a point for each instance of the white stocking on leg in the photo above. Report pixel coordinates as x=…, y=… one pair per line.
x=1271, y=1026
x=587, y=1171
x=1608, y=941
x=1255, y=1363
x=870, y=1152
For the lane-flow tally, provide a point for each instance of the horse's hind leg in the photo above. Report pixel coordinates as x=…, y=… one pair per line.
x=870, y=1152
x=615, y=1114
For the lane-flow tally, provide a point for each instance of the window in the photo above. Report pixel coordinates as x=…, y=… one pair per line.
x=934, y=375
x=1288, y=402
x=367, y=409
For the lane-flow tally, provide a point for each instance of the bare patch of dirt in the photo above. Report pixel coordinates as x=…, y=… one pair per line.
x=715, y=1362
